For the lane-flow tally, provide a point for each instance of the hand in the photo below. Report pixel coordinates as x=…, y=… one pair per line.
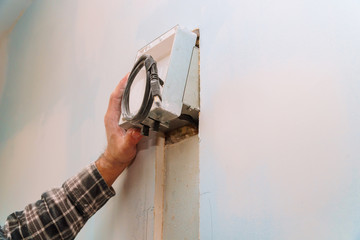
x=121, y=144
x=121, y=148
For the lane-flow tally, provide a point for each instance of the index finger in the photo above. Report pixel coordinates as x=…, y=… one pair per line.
x=114, y=109
x=119, y=90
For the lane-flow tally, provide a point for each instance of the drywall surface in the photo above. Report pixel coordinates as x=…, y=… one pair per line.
x=10, y=12
x=131, y=215
x=279, y=127
x=63, y=61
x=280, y=107
x=279, y=123
x=3, y=61
x=181, y=190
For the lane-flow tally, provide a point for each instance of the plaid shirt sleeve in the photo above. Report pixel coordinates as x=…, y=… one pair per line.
x=61, y=212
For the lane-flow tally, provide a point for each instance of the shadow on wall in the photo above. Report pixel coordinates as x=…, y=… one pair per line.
x=44, y=74
x=10, y=13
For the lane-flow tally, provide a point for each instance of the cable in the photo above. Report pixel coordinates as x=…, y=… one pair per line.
x=152, y=89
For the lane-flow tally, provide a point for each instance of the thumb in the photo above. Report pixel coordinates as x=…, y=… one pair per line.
x=132, y=137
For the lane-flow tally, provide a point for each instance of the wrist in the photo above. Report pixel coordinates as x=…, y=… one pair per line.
x=109, y=169
x=109, y=161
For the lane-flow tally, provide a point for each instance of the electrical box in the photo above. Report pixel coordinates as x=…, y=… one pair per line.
x=162, y=92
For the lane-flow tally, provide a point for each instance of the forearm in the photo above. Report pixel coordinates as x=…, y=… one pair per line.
x=61, y=212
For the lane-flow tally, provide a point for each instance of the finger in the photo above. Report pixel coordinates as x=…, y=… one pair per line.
x=132, y=137
x=116, y=95
x=119, y=90
x=114, y=109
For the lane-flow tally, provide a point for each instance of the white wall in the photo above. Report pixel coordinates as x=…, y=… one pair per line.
x=10, y=13
x=279, y=125
x=64, y=60
x=279, y=108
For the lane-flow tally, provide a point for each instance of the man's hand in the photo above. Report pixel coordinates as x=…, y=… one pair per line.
x=121, y=147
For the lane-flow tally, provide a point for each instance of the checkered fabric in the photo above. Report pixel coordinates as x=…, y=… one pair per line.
x=61, y=212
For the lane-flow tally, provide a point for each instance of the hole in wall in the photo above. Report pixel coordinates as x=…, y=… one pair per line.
x=180, y=134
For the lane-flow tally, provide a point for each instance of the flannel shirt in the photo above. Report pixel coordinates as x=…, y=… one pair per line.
x=61, y=212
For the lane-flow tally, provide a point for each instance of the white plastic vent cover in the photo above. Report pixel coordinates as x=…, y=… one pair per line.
x=177, y=60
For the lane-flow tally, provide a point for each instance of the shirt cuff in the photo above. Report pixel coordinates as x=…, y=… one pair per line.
x=88, y=191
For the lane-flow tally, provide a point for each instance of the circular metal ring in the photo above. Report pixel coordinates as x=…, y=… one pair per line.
x=147, y=99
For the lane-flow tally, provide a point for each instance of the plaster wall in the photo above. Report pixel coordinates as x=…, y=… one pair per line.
x=280, y=109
